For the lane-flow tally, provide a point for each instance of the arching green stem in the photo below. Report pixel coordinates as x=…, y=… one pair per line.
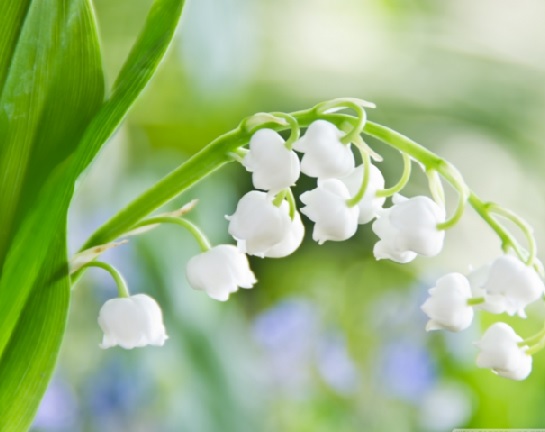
x=122, y=288
x=522, y=225
x=366, y=162
x=193, y=229
x=349, y=103
x=405, y=176
x=295, y=131
x=217, y=153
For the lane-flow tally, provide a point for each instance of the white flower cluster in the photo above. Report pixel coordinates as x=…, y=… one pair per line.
x=506, y=285
x=267, y=224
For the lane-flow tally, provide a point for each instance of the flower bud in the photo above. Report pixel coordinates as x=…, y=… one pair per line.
x=220, y=271
x=499, y=351
x=131, y=322
x=447, y=306
x=409, y=228
x=511, y=286
x=258, y=224
x=274, y=167
x=325, y=156
x=369, y=205
x=291, y=241
x=326, y=207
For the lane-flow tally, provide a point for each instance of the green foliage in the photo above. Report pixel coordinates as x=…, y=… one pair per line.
x=53, y=121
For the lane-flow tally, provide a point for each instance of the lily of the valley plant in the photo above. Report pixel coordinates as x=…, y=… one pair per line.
x=39, y=168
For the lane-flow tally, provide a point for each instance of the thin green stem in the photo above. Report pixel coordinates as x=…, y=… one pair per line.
x=122, y=288
x=358, y=127
x=436, y=187
x=295, y=131
x=279, y=198
x=405, y=176
x=533, y=339
x=193, y=229
x=475, y=301
x=458, y=213
x=366, y=161
x=292, y=203
x=536, y=348
x=522, y=225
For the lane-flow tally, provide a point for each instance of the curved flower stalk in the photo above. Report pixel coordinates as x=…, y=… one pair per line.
x=267, y=222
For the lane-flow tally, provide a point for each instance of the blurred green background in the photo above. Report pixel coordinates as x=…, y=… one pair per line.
x=329, y=339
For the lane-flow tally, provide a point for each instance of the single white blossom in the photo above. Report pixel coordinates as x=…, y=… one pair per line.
x=291, y=241
x=369, y=205
x=325, y=156
x=274, y=167
x=220, y=271
x=326, y=206
x=500, y=351
x=131, y=322
x=257, y=224
x=510, y=286
x=447, y=306
x=408, y=229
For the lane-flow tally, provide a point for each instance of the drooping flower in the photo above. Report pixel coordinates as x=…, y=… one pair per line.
x=291, y=241
x=500, y=351
x=510, y=286
x=326, y=206
x=131, y=322
x=220, y=271
x=258, y=225
x=408, y=229
x=447, y=306
x=325, y=156
x=369, y=205
x=274, y=167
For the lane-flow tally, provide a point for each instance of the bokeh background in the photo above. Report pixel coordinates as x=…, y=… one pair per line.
x=329, y=339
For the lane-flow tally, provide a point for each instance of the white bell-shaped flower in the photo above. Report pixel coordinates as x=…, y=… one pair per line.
x=257, y=224
x=291, y=241
x=274, y=167
x=369, y=205
x=131, y=322
x=220, y=271
x=511, y=286
x=500, y=351
x=447, y=306
x=408, y=229
x=325, y=156
x=326, y=207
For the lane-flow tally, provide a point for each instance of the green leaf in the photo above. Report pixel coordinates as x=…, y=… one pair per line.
x=12, y=14
x=53, y=87
x=143, y=60
x=52, y=124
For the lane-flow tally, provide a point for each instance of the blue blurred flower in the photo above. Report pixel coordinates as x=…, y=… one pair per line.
x=58, y=409
x=288, y=334
x=335, y=365
x=406, y=370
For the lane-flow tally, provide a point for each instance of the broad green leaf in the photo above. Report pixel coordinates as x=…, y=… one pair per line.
x=30, y=357
x=53, y=87
x=12, y=14
x=143, y=60
x=51, y=127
